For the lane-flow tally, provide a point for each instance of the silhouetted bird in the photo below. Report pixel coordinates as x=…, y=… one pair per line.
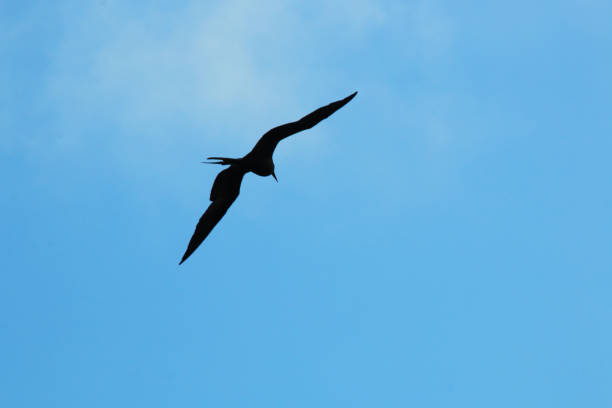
x=226, y=187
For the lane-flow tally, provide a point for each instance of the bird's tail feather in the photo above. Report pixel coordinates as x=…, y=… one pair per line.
x=221, y=160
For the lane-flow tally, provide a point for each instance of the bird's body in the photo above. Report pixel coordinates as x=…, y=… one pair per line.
x=263, y=166
x=226, y=187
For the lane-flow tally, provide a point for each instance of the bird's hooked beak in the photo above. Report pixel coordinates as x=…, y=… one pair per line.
x=274, y=175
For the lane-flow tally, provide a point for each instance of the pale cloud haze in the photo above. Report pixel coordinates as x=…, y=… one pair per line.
x=442, y=240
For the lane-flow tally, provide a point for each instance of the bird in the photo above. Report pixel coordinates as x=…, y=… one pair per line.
x=226, y=186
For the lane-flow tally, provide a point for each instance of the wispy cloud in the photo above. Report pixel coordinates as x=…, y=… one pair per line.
x=200, y=63
x=145, y=83
x=140, y=85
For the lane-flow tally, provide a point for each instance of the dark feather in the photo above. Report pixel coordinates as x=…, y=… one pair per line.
x=226, y=187
x=266, y=145
x=224, y=192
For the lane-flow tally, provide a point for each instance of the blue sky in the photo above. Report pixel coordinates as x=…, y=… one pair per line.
x=441, y=241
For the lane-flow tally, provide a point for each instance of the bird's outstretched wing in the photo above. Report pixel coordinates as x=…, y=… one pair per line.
x=224, y=192
x=267, y=143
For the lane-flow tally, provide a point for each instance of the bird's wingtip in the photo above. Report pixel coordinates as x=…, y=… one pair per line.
x=186, y=255
x=351, y=96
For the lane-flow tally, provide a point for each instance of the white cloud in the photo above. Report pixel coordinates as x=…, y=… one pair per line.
x=198, y=63
x=146, y=83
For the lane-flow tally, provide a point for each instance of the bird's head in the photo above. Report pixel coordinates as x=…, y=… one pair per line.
x=270, y=169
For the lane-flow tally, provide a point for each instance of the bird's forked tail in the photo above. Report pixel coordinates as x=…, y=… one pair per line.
x=221, y=160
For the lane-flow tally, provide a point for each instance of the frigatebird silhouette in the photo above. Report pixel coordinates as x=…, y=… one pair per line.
x=226, y=187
